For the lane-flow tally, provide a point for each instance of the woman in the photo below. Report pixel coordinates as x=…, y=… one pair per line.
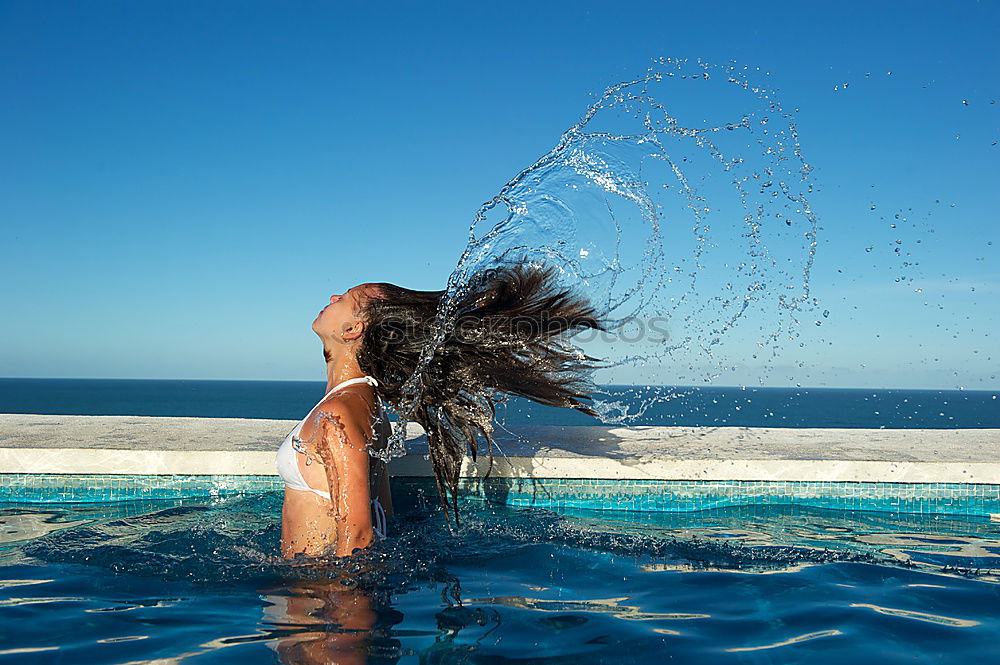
x=508, y=334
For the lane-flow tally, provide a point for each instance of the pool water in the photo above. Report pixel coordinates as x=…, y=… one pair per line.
x=199, y=581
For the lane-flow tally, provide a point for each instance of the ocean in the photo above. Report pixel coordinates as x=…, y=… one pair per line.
x=678, y=405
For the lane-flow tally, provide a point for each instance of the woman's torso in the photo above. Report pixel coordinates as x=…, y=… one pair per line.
x=305, y=477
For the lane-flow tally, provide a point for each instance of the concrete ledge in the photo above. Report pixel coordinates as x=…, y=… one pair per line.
x=227, y=446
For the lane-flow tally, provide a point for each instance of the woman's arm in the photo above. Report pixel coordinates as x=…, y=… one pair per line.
x=343, y=449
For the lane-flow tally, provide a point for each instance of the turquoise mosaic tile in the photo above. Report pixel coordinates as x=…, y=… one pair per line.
x=73, y=488
x=690, y=495
x=661, y=496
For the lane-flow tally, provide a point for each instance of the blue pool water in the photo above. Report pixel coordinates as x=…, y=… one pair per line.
x=199, y=581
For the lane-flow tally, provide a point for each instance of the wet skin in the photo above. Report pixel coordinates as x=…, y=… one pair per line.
x=337, y=433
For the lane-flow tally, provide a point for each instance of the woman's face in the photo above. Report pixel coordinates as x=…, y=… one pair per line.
x=339, y=320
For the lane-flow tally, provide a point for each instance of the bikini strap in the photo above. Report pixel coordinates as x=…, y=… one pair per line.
x=370, y=380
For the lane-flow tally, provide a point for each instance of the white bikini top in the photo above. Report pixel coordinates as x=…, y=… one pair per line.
x=288, y=466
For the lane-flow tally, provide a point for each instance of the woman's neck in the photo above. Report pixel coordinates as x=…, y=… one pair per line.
x=340, y=367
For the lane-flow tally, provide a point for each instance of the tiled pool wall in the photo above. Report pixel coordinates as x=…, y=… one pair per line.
x=643, y=496
x=688, y=495
x=88, y=488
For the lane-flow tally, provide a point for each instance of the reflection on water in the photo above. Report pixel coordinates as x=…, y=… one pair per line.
x=190, y=580
x=15, y=526
x=768, y=535
x=322, y=621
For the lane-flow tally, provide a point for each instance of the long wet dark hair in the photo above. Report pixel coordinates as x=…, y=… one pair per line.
x=510, y=336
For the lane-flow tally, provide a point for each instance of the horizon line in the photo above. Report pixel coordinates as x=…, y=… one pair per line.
x=655, y=385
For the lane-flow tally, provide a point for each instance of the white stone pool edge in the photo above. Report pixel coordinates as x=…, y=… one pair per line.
x=59, y=444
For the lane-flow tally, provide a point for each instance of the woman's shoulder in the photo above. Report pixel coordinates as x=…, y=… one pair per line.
x=348, y=409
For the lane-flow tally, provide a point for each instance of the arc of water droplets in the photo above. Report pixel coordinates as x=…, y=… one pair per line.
x=575, y=153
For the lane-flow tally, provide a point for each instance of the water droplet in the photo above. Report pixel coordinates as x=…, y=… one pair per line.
x=586, y=170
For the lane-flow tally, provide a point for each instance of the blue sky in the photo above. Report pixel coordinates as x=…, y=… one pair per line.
x=183, y=184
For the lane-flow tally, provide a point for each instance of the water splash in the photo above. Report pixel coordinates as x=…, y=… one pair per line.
x=233, y=540
x=631, y=205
